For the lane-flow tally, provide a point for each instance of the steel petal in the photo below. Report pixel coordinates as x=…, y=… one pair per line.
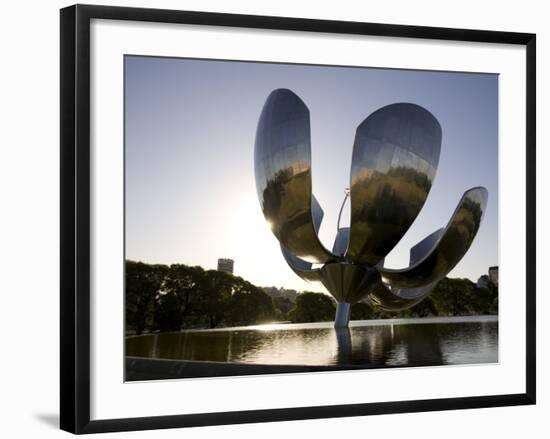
x=395, y=157
x=303, y=268
x=450, y=248
x=282, y=160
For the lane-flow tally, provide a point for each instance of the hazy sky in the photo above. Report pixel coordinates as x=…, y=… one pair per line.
x=190, y=128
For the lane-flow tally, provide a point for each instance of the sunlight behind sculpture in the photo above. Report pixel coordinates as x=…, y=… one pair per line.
x=395, y=158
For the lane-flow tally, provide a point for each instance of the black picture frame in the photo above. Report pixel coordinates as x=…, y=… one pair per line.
x=75, y=217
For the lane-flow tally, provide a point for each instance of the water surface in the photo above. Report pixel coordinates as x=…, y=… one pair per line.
x=378, y=343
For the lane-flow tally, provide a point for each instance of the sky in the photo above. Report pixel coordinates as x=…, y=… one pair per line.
x=189, y=156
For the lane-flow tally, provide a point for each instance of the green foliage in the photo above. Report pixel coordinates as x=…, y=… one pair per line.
x=143, y=283
x=178, y=297
x=313, y=307
x=450, y=297
x=282, y=306
x=170, y=298
x=362, y=311
x=462, y=297
x=216, y=290
x=249, y=305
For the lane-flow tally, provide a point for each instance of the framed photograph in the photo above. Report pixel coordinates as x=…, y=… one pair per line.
x=273, y=218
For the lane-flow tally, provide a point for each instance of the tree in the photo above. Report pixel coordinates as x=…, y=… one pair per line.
x=213, y=297
x=143, y=283
x=313, y=307
x=463, y=297
x=425, y=308
x=362, y=311
x=165, y=298
x=178, y=298
x=282, y=306
x=249, y=304
x=168, y=313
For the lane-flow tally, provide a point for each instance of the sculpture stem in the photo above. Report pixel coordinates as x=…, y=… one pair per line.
x=343, y=343
x=341, y=320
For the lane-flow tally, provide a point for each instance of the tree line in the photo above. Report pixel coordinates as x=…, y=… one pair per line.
x=450, y=297
x=170, y=298
x=174, y=297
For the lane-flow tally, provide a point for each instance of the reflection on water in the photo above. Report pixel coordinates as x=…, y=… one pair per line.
x=398, y=342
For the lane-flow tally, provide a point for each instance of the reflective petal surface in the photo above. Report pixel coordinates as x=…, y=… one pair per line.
x=449, y=249
x=418, y=252
x=395, y=157
x=300, y=267
x=385, y=299
x=398, y=299
x=282, y=159
x=347, y=282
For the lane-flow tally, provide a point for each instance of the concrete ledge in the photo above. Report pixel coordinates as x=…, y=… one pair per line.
x=142, y=369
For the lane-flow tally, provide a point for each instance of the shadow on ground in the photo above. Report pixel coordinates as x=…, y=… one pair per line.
x=50, y=419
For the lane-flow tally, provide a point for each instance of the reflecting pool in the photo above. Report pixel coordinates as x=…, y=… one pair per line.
x=378, y=343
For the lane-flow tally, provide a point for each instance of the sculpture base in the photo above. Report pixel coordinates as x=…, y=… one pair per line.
x=341, y=319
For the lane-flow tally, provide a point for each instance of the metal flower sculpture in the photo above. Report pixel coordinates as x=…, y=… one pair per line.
x=395, y=157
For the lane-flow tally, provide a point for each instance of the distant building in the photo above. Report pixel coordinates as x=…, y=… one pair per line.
x=281, y=292
x=493, y=275
x=483, y=281
x=491, y=278
x=225, y=265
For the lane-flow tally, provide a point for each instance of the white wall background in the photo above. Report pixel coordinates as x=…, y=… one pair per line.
x=29, y=249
